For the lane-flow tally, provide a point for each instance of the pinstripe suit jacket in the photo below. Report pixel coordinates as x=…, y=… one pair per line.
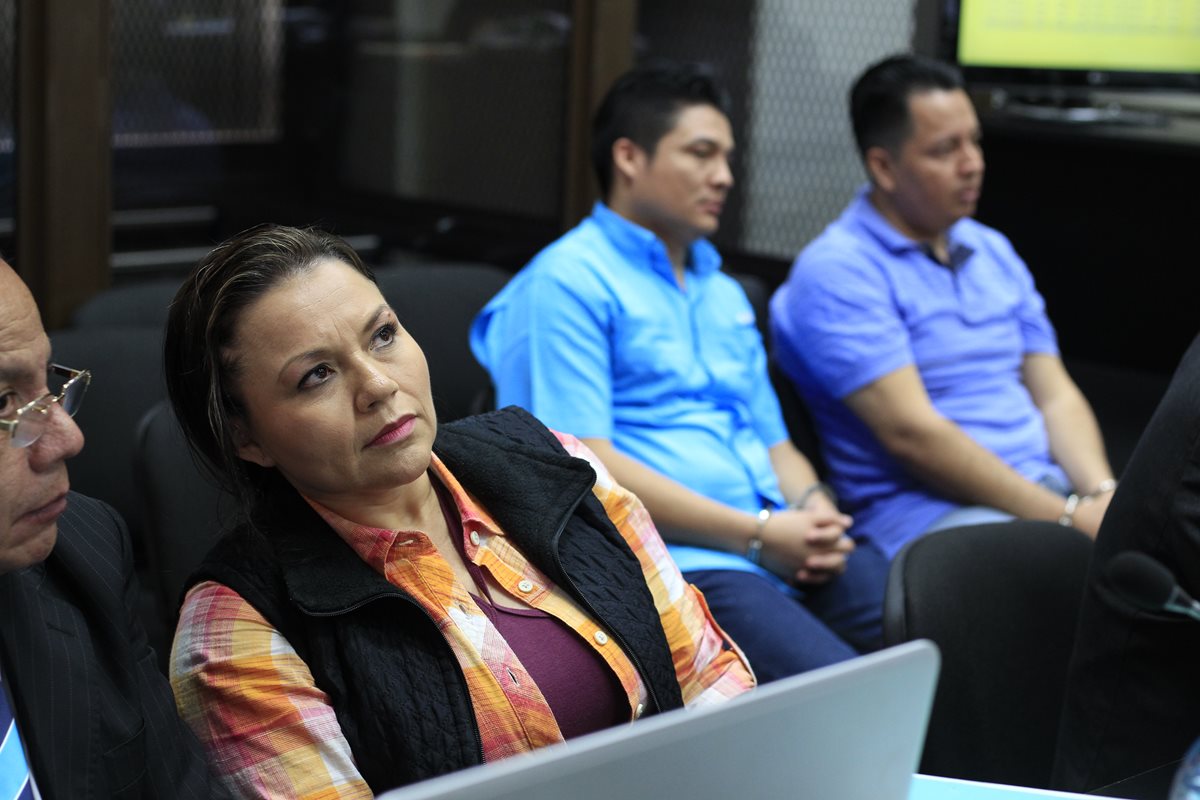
x=95, y=713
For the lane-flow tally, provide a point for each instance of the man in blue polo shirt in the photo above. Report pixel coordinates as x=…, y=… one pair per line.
x=919, y=342
x=625, y=333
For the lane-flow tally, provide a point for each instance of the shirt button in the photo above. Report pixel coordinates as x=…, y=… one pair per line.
x=525, y=586
x=475, y=538
x=637, y=712
x=601, y=637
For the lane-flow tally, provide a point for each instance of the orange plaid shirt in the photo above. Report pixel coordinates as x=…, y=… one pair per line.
x=271, y=732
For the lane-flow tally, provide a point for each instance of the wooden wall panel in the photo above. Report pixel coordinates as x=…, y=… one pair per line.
x=64, y=152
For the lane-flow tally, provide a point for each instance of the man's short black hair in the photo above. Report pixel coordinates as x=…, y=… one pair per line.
x=879, y=98
x=644, y=104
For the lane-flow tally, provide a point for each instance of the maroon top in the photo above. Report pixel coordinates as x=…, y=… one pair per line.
x=582, y=691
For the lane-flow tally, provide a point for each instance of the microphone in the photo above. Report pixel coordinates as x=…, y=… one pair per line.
x=1148, y=585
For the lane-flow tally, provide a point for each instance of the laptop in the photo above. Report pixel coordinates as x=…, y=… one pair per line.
x=850, y=731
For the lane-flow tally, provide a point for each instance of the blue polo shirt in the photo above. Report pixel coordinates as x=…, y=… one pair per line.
x=863, y=300
x=596, y=339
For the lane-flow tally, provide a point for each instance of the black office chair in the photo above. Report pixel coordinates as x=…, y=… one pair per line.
x=127, y=379
x=801, y=428
x=185, y=511
x=758, y=295
x=142, y=304
x=1001, y=602
x=436, y=303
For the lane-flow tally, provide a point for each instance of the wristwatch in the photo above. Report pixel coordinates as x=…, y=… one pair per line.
x=755, y=545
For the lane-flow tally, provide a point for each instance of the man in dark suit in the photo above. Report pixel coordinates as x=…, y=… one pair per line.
x=79, y=685
x=1132, y=704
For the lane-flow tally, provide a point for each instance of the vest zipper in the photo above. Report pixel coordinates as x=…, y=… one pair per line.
x=625, y=648
x=462, y=679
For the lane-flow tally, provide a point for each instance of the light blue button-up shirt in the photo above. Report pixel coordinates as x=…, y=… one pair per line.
x=862, y=301
x=595, y=338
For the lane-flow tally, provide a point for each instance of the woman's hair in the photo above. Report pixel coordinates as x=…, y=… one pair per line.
x=201, y=371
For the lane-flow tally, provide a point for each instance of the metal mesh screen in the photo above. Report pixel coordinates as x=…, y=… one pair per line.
x=789, y=65
x=805, y=166
x=197, y=71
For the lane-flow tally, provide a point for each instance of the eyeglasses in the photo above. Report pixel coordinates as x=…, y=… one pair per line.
x=31, y=419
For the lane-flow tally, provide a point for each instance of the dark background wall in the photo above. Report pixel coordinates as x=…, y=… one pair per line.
x=1106, y=221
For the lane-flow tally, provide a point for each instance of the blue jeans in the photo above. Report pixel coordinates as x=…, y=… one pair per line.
x=782, y=634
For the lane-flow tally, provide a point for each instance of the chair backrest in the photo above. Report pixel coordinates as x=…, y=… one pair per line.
x=1001, y=602
x=142, y=304
x=756, y=292
x=436, y=303
x=801, y=428
x=185, y=512
x=127, y=379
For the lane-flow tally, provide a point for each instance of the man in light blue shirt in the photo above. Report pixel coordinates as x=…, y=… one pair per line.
x=625, y=333
x=919, y=342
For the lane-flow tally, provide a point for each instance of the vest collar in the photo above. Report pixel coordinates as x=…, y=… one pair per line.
x=515, y=481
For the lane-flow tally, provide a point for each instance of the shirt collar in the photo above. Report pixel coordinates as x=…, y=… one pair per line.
x=863, y=211
x=640, y=245
x=373, y=545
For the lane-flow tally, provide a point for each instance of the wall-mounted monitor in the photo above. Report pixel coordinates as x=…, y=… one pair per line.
x=1059, y=46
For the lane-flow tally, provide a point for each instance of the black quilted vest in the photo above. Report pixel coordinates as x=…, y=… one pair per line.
x=400, y=697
